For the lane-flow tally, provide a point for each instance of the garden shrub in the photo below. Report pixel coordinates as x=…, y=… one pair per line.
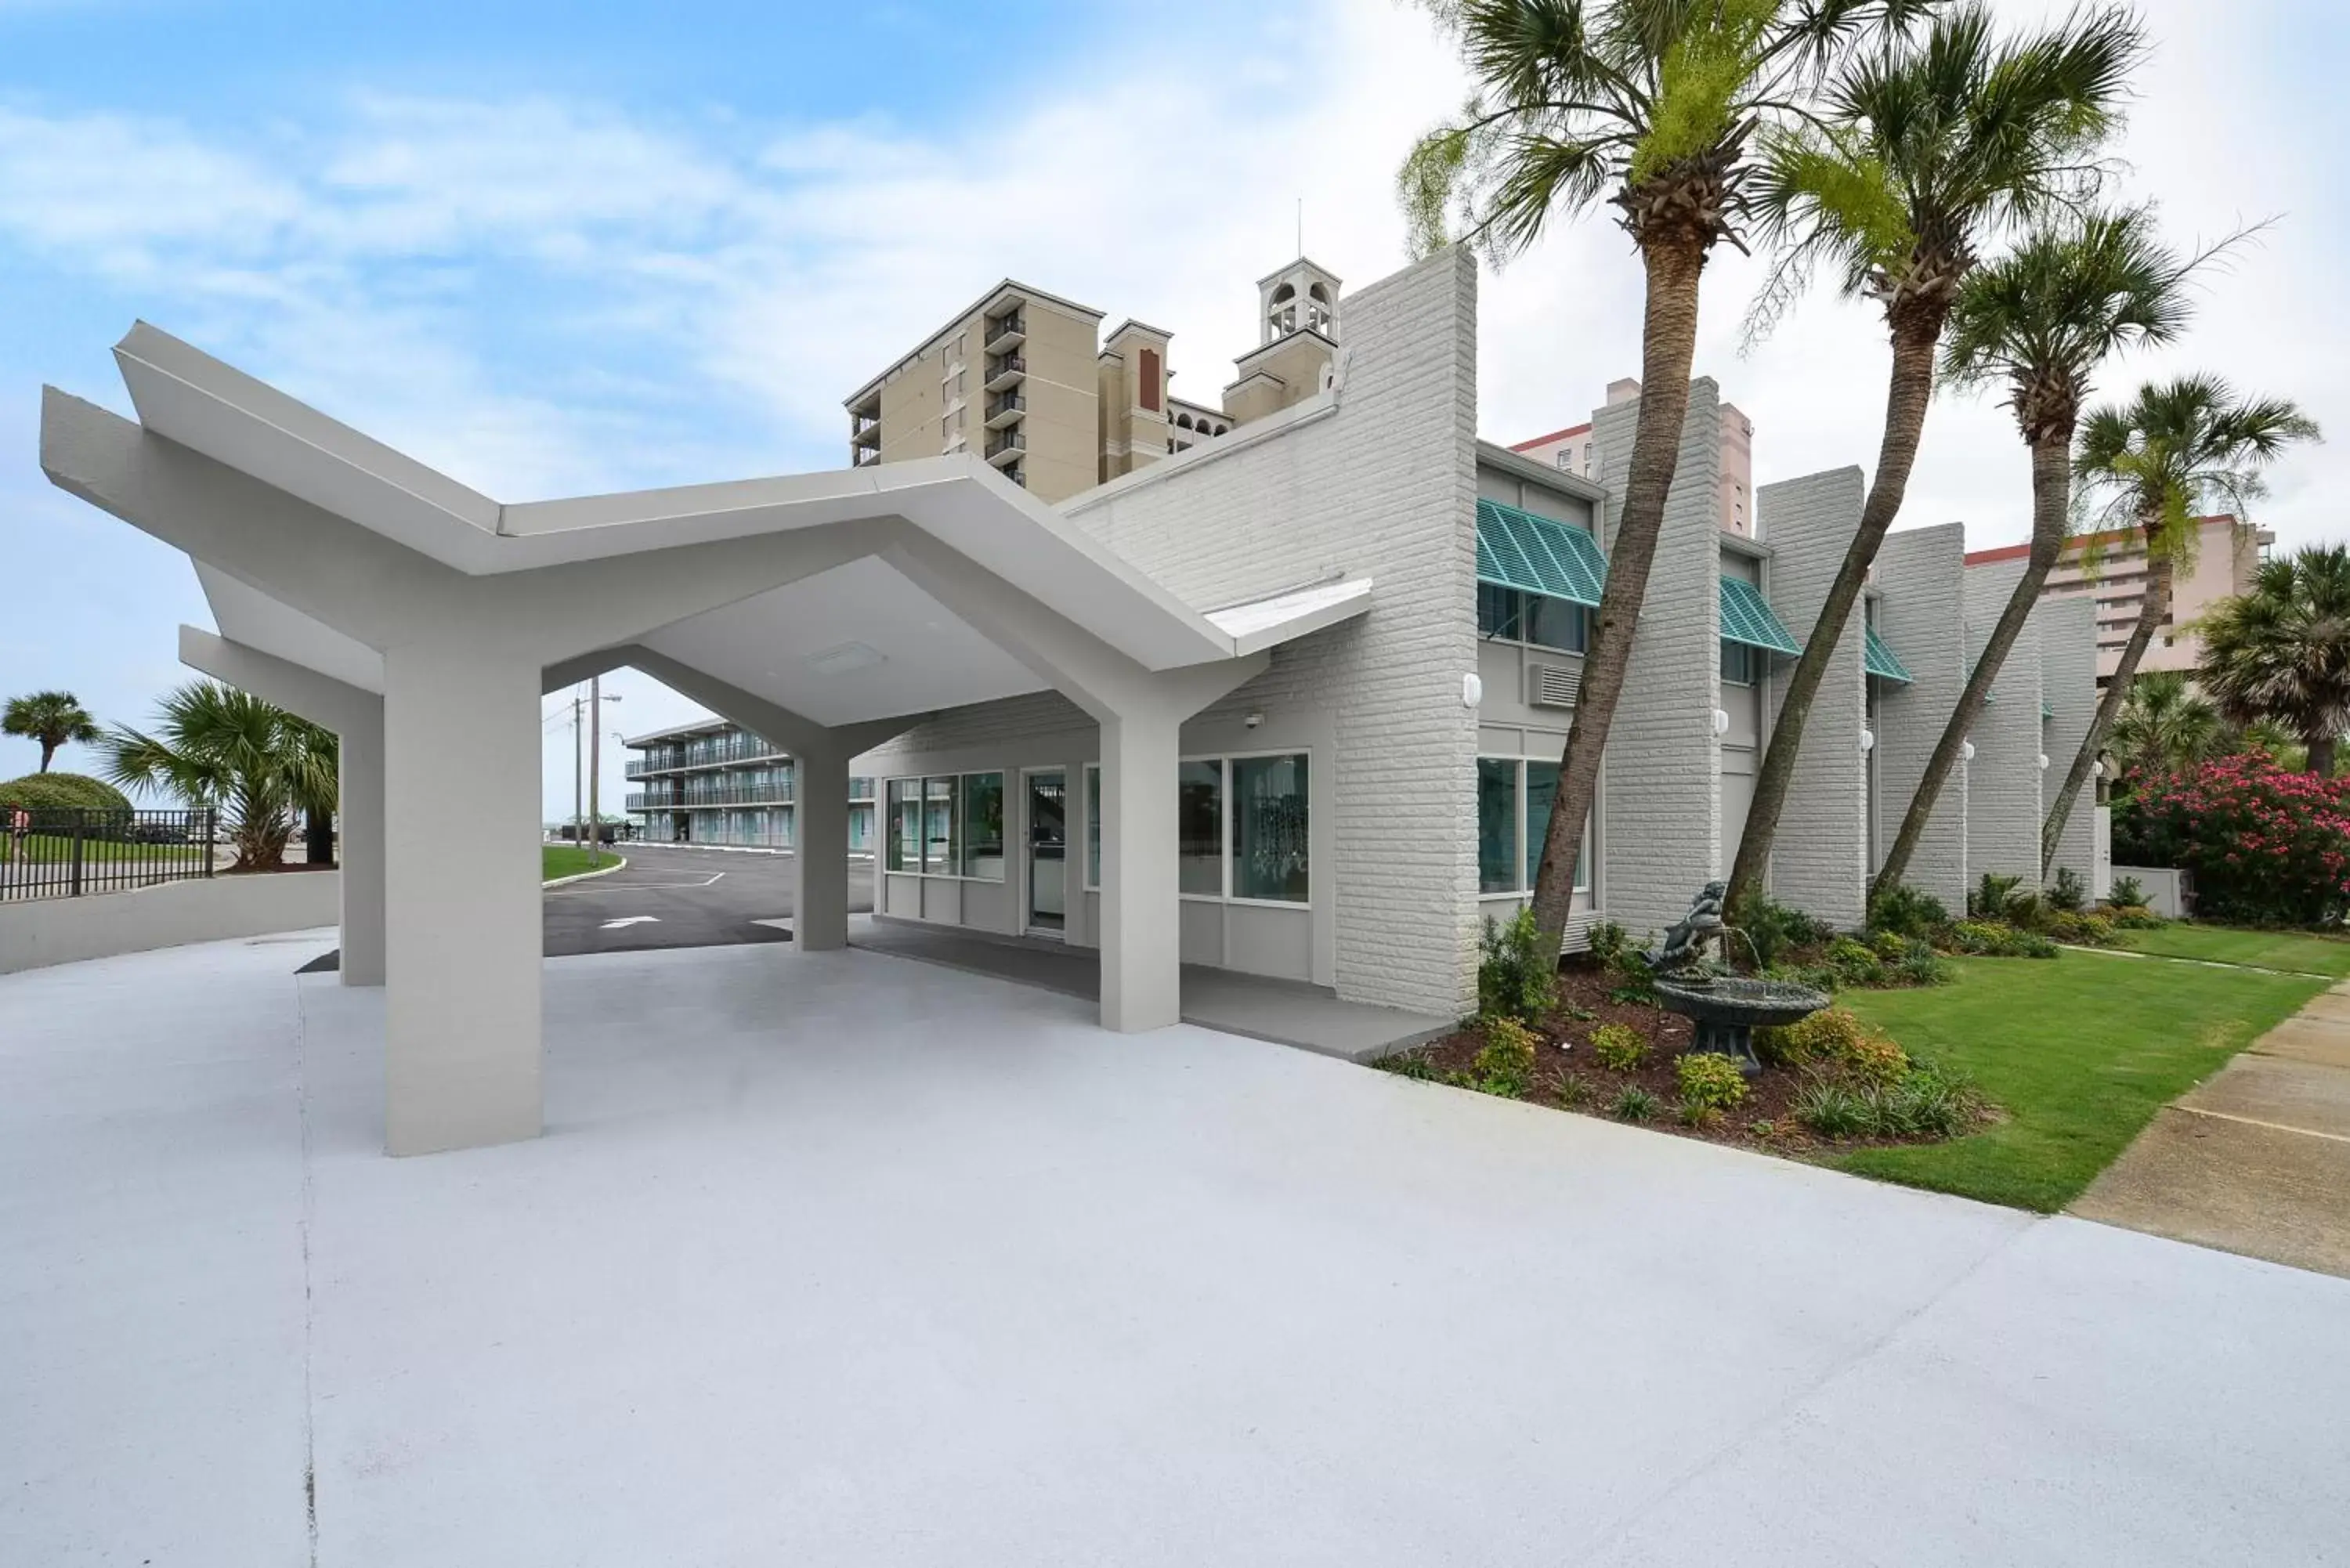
x=1773, y=929
x=2129, y=893
x=1574, y=1093
x=1874, y=1059
x=1608, y=943
x=1837, y=1043
x=1908, y=911
x=1711, y=1084
x=1890, y=947
x=2265, y=846
x=1922, y=965
x=2134, y=917
x=1634, y=1104
x=2081, y=930
x=1413, y=1065
x=1505, y=1063
x=61, y=791
x=1515, y=977
x=1854, y=962
x=1639, y=987
x=1618, y=1047
x=1831, y=1109
x=1997, y=938
x=2068, y=893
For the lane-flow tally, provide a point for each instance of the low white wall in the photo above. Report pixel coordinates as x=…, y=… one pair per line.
x=2165, y=892
x=41, y=931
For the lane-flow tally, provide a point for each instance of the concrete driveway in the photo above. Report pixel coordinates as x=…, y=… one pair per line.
x=835, y=1258
x=682, y=898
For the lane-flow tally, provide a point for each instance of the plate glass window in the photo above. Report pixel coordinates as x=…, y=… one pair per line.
x=983, y=827
x=939, y=836
x=905, y=826
x=1199, y=816
x=1268, y=828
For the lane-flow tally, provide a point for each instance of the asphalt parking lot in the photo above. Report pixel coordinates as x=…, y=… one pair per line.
x=667, y=898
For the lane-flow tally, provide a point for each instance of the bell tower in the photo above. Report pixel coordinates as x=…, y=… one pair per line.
x=1301, y=297
x=1297, y=325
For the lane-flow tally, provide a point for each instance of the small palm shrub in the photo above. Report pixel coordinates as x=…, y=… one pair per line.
x=1634, y=1104
x=2129, y=893
x=1773, y=930
x=1574, y=1093
x=1505, y=1063
x=1515, y=978
x=1922, y=965
x=1993, y=896
x=1618, y=1047
x=1908, y=911
x=2068, y=893
x=1711, y=1084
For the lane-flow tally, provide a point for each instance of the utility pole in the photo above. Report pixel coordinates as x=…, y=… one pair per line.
x=595, y=767
x=578, y=750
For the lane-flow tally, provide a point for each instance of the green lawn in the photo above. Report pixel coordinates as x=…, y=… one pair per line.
x=570, y=860
x=43, y=848
x=2081, y=1051
x=2268, y=949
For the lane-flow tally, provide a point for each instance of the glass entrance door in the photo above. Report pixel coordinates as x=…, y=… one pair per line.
x=1048, y=852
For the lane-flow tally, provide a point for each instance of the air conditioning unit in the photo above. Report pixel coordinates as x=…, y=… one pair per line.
x=1554, y=685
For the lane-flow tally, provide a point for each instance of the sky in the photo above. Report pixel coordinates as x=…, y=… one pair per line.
x=560, y=249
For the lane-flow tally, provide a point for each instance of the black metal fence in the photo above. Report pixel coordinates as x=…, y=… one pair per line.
x=64, y=854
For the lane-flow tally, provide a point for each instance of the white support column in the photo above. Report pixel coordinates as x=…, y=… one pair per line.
x=819, y=851
x=360, y=770
x=463, y=922
x=1141, y=937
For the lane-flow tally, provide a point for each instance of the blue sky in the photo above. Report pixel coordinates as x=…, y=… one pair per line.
x=557, y=249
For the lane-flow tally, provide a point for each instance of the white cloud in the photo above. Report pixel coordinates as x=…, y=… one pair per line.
x=547, y=296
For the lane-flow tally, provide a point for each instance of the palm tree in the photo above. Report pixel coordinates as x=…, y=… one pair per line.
x=2178, y=449
x=2042, y=320
x=2164, y=725
x=2281, y=652
x=51, y=718
x=223, y=749
x=1932, y=149
x=1649, y=106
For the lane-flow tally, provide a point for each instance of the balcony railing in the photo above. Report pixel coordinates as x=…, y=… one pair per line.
x=702, y=755
x=1003, y=410
x=733, y=794
x=1004, y=373
x=1007, y=447
x=866, y=432
x=1008, y=332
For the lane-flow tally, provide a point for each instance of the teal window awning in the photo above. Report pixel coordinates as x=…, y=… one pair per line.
x=1880, y=660
x=1519, y=549
x=1746, y=617
x=2046, y=712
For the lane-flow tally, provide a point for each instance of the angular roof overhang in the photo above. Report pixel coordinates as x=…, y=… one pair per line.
x=957, y=503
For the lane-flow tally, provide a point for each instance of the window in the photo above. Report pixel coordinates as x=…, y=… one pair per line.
x=1199, y=818
x=1268, y=833
x=983, y=827
x=939, y=836
x=860, y=829
x=1149, y=362
x=1567, y=458
x=1741, y=665
x=905, y=826
x=1497, y=825
x=1093, y=824
x=1514, y=802
x=1515, y=616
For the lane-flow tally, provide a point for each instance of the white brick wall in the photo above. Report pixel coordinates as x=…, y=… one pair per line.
x=1386, y=487
x=2003, y=781
x=1662, y=833
x=2068, y=683
x=1819, y=861
x=1921, y=572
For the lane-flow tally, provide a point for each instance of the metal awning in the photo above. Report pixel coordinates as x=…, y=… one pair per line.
x=1521, y=549
x=1879, y=659
x=1746, y=617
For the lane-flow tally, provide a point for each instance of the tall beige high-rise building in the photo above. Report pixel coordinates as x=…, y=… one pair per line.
x=1022, y=378
x=2112, y=566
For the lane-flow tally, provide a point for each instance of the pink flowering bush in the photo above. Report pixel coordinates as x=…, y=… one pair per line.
x=2265, y=846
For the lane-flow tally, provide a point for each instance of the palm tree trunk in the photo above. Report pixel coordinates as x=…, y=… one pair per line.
x=1668, y=345
x=49, y=750
x=2051, y=494
x=2150, y=613
x=2321, y=754
x=1909, y=391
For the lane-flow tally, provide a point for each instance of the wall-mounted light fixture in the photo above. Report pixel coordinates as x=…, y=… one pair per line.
x=1721, y=721
x=1966, y=751
x=2044, y=761
x=1472, y=689
x=1254, y=718
x=1869, y=739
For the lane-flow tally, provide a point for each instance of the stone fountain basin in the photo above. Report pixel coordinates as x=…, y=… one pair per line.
x=1731, y=999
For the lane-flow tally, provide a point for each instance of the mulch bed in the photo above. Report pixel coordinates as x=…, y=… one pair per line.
x=1763, y=1120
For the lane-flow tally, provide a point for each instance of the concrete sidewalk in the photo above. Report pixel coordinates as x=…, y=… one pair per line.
x=2254, y=1159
